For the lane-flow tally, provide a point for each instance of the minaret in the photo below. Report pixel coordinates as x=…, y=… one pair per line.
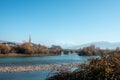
x=29, y=39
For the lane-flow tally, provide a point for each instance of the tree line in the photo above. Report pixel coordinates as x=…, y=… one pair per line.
x=26, y=48
x=92, y=50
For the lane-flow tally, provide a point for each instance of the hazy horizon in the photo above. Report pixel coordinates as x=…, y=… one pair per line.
x=61, y=22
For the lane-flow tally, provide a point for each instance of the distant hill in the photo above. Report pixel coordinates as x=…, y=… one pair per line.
x=102, y=45
x=8, y=42
x=2, y=41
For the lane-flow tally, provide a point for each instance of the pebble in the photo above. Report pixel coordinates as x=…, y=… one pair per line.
x=28, y=68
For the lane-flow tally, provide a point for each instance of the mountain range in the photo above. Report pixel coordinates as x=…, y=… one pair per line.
x=102, y=45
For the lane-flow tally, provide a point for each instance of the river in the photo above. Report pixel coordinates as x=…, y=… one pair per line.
x=37, y=75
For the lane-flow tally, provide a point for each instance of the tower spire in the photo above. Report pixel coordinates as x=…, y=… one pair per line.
x=29, y=39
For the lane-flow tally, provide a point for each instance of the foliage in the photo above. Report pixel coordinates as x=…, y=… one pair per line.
x=91, y=50
x=4, y=48
x=24, y=48
x=106, y=68
x=55, y=49
x=27, y=48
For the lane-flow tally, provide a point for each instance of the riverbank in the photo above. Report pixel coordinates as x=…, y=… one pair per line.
x=53, y=67
x=23, y=55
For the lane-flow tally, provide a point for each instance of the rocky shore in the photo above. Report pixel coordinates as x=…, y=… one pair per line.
x=28, y=68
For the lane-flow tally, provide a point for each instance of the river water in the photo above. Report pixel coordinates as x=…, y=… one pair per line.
x=38, y=75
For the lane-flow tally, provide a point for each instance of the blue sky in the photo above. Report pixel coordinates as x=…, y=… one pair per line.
x=60, y=21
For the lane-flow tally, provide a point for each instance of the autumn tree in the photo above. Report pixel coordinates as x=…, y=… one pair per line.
x=24, y=48
x=89, y=50
x=55, y=49
x=40, y=49
x=4, y=48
